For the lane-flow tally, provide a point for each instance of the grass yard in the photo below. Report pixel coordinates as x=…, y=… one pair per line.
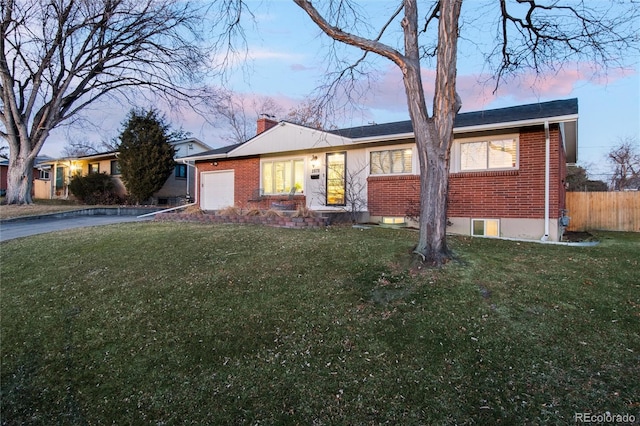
x=175, y=323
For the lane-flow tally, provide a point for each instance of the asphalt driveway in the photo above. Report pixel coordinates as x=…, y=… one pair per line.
x=10, y=229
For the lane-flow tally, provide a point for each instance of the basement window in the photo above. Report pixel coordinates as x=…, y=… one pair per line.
x=485, y=227
x=393, y=220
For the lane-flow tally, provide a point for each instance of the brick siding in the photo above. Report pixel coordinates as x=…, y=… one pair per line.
x=493, y=194
x=246, y=175
x=247, y=183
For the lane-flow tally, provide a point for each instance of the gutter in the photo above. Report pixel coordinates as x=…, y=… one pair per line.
x=474, y=128
x=514, y=124
x=547, y=171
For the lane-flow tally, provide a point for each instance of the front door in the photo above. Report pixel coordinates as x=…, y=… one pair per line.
x=336, y=178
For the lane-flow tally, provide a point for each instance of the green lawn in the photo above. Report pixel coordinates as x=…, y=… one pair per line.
x=174, y=323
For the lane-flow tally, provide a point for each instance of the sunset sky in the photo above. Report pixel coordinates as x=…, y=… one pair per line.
x=286, y=62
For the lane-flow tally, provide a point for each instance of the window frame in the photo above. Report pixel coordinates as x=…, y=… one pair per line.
x=389, y=150
x=294, y=179
x=336, y=185
x=115, y=163
x=93, y=167
x=178, y=171
x=44, y=174
x=456, y=163
x=484, y=221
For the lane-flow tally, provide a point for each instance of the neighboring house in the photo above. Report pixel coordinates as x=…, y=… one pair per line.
x=507, y=175
x=37, y=174
x=180, y=185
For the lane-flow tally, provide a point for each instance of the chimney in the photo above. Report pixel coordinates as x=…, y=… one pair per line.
x=265, y=122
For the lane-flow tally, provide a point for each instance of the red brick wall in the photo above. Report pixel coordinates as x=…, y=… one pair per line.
x=263, y=124
x=4, y=170
x=393, y=195
x=505, y=194
x=246, y=175
x=247, y=182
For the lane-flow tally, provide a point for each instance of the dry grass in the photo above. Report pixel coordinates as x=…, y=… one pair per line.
x=230, y=211
x=304, y=211
x=272, y=213
x=38, y=208
x=254, y=212
x=193, y=210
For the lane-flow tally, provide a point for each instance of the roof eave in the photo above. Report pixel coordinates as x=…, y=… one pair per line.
x=197, y=157
x=516, y=124
x=474, y=128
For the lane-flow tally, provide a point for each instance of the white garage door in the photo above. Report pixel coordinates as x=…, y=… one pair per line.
x=217, y=190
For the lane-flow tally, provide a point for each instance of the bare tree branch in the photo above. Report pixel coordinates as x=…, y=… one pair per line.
x=58, y=57
x=545, y=35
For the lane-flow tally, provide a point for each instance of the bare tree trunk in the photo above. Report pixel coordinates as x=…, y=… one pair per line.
x=433, y=135
x=19, y=180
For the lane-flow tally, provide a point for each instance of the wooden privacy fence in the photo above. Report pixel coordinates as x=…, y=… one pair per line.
x=608, y=211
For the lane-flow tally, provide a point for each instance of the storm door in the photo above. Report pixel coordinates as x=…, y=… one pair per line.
x=336, y=178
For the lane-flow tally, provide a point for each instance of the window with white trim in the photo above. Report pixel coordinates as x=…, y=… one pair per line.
x=485, y=227
x=278, y=177
x=44, y=174
x=497, y=154
x=391, y=161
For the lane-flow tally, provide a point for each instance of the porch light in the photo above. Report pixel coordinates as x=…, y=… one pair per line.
x=314, y=162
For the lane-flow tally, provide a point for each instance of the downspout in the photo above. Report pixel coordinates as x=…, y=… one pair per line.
x=188, y=179
x=188, y=187
x=547, y=155
x=196, y=186
x=52, y=183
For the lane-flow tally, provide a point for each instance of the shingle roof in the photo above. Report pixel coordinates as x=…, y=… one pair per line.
x=499, y=116
x=467, y=119
x=217, y=151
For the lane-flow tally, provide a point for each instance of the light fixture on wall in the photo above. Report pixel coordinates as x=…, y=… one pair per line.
x=215, y=163
x=314, y=162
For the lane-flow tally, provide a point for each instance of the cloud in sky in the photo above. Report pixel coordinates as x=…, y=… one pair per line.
x=477, y=90
x=301, y=67
x=384, y=101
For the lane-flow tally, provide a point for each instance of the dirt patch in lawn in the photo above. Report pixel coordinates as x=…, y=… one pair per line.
x=576, y=237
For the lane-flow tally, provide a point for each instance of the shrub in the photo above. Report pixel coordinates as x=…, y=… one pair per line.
x=304, y=211
x=193, y=211
x=94, y=188
x=230, y=211
x=272, y=213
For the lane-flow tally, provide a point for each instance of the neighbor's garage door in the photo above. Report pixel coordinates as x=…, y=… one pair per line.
x=217, y=190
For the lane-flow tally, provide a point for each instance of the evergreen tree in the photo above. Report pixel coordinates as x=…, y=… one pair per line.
x=578, y=181
x=146, y=157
